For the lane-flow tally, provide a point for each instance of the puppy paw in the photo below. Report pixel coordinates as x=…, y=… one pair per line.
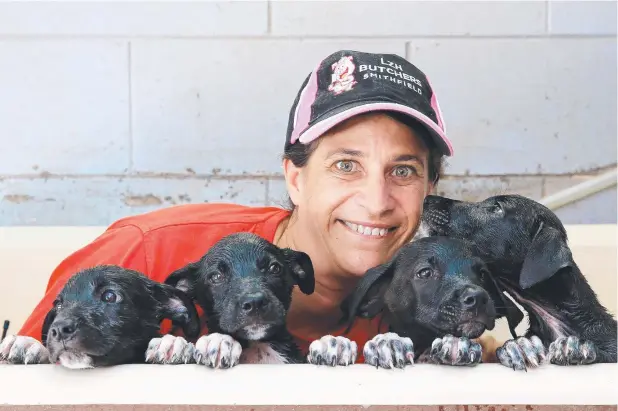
x=389, y=350
x=572, y=351
x=17, y=349
x=217, y=351
x=450, y=350
x=332, y=351
x=169, y=350
x=522, y=353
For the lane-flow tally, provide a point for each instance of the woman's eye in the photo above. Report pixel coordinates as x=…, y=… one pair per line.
x=274, y=268
x=345, y=165
x=404, y=171
x=109, y=296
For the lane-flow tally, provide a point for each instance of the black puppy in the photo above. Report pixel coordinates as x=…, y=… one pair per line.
x=244, y=285
x=525, y=246
x=105, y=315
x=432, y=296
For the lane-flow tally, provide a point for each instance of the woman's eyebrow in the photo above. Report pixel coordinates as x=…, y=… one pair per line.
x=409, y=157
x=345, y=151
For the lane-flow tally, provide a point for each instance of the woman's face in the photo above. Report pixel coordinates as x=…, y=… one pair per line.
x=361, y=193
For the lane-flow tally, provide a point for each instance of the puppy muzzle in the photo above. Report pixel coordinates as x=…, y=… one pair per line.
x=253, y=316
x=74, y=335
x=469, y=314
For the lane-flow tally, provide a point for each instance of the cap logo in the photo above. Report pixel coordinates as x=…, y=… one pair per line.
x=342, y=78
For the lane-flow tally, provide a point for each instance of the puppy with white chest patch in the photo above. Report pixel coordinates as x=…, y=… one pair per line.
x=526, y=248
x=105, y=315
x=244, y=285
x=436, y=295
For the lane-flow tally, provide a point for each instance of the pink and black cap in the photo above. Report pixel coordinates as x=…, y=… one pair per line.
x=348, y=83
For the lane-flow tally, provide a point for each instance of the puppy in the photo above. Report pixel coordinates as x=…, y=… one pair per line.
x=105, y=315
x=432, y=296
x=244, y=285
x=525, y=246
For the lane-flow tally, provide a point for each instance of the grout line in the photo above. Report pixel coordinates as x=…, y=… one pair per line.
x=305, y=37
x=547, y=16
x=268, y=17
x=130, y=102
x=185, y=176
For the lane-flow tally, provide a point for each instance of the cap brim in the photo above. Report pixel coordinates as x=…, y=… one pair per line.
x=345, y=112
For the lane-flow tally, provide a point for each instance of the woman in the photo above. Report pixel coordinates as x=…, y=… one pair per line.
x=363, y=148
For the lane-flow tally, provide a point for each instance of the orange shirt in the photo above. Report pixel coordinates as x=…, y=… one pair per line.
x=159, y=242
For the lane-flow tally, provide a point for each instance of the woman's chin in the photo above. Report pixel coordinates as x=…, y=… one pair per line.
x=358, y=263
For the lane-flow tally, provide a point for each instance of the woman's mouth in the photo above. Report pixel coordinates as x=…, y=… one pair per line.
x=368, y=230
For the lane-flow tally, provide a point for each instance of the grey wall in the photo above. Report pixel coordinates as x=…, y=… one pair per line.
x=108, y=110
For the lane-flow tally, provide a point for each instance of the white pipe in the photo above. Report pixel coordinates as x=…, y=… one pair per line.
x=580, y=191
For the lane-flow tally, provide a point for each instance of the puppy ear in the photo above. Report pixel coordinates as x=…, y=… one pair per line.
x=301, y=268
x=547, y=255
x=507, y=308
x=184, y=278
x=47, y=322
x=367, y=299
x=178, y=307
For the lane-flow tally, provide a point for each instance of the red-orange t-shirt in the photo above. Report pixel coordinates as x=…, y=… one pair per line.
x=159, y=242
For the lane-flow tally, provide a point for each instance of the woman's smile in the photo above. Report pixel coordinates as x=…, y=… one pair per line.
x=368, y=230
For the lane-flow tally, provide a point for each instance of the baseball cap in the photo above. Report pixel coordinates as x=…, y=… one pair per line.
x=348, y=82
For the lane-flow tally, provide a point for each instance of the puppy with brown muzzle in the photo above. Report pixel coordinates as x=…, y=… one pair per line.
x=105, y=315
x=525, y=246
x=436, y=295
x=244, y=285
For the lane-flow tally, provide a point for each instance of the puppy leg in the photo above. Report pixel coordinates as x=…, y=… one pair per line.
x=332, y=351
x=572, y=351
x=217, y=351
x=16, y=349
x=516, y=354
x=169, y=350
x=389, y=350
x=451, y=350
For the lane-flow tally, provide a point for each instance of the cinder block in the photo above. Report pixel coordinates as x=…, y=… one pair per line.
x=64, y=106
x=127, y=18
x=100, y=201
x=515, y=106
x=599, y=208
x=407, y=18
x=479, y=188
x=554, y=184
x=221, y=107
x=277, y=193
x=582, y=17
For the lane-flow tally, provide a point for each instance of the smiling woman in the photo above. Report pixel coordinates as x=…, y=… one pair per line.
x=363, y=148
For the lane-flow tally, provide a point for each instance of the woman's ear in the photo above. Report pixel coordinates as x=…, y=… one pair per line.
x=292, y=180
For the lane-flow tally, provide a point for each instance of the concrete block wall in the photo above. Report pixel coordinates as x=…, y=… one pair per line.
x=112, y=109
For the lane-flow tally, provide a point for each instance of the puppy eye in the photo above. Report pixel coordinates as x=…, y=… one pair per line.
x=496, y=208
x=274, y=268
x=215, y=277
x=484, y=273
x=424, y=273
x=109, y=296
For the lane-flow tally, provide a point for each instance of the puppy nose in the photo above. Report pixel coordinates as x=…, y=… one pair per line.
x=253, y=302
x=473, y=298
x=63, y=329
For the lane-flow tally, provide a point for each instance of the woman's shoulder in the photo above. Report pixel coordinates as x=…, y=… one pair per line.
x=201, y=214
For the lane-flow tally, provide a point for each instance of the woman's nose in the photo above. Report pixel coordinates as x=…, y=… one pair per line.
x=377, y=196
